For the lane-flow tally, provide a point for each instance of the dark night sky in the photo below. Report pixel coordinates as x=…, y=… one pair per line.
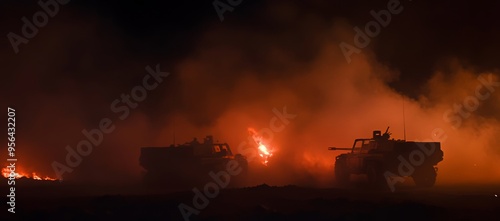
x=416, y=41
x=92, y=51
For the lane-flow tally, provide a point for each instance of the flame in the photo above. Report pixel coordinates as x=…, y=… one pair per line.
x=18, y=175
x=35, y=177
x=264, y=152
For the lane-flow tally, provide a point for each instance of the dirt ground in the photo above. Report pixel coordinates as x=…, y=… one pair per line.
x=62, y=201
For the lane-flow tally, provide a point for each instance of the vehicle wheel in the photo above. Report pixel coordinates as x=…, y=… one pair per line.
x=425, y=176
x=342, y=175
x=375, y=176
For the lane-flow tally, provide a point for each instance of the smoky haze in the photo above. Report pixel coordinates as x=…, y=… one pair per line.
x=228, y=77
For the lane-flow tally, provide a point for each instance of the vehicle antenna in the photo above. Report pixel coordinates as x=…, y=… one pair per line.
x=404, y=119
x=173, y=118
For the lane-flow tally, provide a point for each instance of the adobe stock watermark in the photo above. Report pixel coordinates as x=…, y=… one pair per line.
x=222, y=178
x=39, y=20
x=94, y=137
x=455, y=116
x=371, y=30
x=471, y=103
x=407, y=166
x=221, y=7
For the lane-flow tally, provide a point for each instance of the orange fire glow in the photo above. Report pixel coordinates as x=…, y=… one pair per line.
x=18, y=175
x=264, y=152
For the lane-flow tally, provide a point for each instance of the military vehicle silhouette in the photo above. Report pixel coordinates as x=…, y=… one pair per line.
x=187, y=165
x=379, y=157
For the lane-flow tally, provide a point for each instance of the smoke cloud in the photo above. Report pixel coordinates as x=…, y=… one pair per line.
x=230, y=80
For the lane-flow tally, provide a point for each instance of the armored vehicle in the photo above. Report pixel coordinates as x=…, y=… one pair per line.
x=381, y=159
x=188, y=165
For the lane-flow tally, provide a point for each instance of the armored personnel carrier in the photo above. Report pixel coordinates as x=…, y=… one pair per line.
x=382, y=158
x=187, y=165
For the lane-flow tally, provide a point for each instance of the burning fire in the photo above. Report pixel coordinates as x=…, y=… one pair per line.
x=18, y=175
x=264, y=152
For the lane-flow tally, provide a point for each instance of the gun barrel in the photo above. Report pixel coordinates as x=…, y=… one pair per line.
x=339, y=148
